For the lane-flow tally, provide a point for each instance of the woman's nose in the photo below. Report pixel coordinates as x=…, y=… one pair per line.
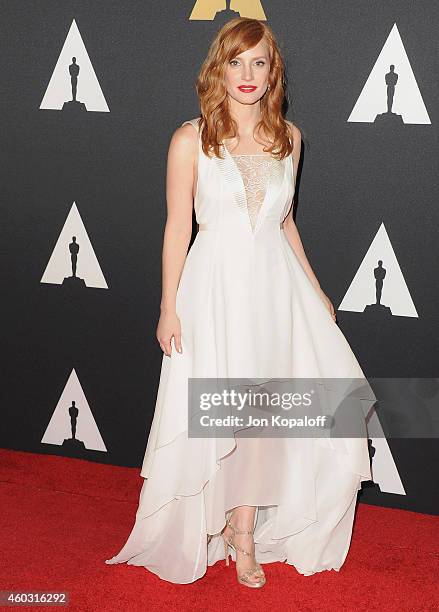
x=247, y=74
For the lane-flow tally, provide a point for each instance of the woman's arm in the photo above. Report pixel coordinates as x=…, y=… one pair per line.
x=181, y=166
x=290, y=228
x=293, y=237
x=292, y=233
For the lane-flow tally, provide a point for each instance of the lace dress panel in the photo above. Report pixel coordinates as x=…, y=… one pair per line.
x=255, y=170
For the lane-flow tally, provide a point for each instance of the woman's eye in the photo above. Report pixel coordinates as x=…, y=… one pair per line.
x=260, y=62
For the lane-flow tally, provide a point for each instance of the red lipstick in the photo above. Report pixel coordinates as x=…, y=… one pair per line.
x=247, y=88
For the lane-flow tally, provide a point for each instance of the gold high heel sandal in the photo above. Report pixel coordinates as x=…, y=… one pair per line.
x=243, y=578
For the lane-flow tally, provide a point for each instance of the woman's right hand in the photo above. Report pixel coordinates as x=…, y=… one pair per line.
x=168, y=326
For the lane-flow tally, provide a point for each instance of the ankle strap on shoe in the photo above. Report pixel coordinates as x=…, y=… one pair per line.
x=236, y=530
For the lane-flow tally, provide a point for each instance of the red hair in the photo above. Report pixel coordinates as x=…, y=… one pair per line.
x=236, y=36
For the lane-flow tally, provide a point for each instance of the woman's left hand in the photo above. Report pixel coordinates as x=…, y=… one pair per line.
x=327, y=302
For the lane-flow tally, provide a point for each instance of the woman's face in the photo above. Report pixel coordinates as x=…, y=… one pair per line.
x=246, y=76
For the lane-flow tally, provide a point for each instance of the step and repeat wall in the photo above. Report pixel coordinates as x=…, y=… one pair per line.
x=92, y=92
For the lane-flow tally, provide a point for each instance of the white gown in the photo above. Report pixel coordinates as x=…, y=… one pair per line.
x=247, y=309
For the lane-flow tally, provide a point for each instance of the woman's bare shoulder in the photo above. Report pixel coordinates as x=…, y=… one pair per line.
x=185, y=139
x=294, y=130
x=296, y=138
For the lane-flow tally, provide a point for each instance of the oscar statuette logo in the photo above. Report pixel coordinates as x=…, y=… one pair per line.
x=391, y=96
x=229, y=9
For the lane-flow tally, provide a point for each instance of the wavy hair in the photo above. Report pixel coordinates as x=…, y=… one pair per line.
x=236, y=36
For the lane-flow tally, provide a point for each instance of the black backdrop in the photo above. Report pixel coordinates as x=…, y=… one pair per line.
x=102, y=164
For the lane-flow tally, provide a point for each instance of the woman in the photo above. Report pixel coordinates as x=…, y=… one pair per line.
x=244, y=302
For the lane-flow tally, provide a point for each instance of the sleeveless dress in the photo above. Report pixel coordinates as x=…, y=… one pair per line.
x=247, y=309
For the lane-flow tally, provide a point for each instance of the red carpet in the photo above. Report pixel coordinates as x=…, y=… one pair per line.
x=61, y=518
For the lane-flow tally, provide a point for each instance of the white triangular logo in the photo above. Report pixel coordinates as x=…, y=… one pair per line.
x=73, y=86
x=379, y=288
x=391, y=94
x=73, y=262
x=72, y=423
x=384, y=470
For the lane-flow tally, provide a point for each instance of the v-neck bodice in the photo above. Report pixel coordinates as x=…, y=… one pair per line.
x=255, y=171
x=243, y=196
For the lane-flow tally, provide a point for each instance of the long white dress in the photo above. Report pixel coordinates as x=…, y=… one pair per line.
x=247, y=309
